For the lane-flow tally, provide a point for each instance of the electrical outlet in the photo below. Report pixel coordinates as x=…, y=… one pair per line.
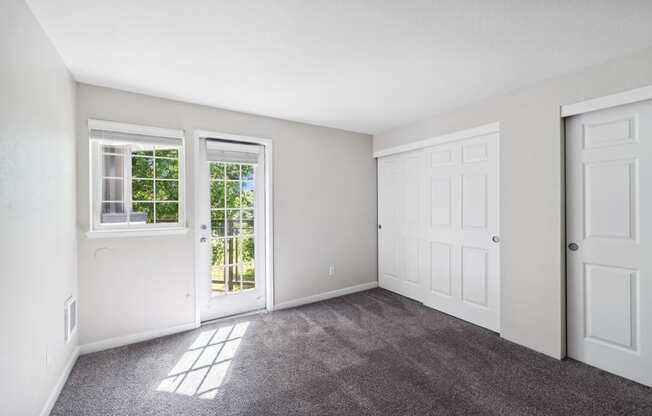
x=331, y=270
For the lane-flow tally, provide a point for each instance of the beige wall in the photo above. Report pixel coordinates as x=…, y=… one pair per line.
x=324, y=213
x=37, y=211
x=531, y=186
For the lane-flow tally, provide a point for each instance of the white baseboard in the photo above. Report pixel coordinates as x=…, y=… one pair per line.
x=133, y=338
x=326, y=295
x=61, y=381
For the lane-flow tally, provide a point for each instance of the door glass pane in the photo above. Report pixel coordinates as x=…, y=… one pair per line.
x=232, y=222
x=217, y=194
x=231, y=190
x=217, y=223
x=248, y=276
x=233, y=194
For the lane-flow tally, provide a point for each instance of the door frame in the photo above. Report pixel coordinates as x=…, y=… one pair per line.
x=269, y=214
x=568, y=110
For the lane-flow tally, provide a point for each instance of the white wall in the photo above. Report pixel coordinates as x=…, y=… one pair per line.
x=324, y=212
x=532, y=218
x=37, y=211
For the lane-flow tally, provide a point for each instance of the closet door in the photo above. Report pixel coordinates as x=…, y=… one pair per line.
x=400, y=239
x=609, y=232
x=461, y=230
x=439, y=242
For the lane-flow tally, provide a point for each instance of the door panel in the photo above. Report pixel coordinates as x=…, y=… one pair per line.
x=473, y=259
x=447, y=213
x=608, y=175
x=399, y=213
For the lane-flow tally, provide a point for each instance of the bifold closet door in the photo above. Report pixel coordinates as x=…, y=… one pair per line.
x=439, y=242
x=609, y=239
x=399, y=215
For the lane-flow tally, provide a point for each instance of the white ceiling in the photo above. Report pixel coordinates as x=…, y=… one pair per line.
x=361, y=65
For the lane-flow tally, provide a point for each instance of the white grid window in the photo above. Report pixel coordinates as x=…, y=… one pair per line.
x=137, y=178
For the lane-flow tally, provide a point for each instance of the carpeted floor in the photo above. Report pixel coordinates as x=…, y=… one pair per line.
x=371, y=353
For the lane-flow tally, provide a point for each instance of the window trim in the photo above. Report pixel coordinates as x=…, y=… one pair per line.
x=98, y=230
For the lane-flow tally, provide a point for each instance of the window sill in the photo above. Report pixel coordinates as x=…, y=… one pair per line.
x=136, y=233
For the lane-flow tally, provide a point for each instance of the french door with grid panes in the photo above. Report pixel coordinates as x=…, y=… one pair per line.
x=231, y=228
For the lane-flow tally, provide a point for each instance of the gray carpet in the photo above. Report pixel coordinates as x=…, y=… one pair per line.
x=371, y=353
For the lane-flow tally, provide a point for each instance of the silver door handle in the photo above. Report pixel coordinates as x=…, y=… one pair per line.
x=573, y=247
x=495, y=239
x=203, y=240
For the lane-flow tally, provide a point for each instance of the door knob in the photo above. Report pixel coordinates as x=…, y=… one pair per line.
x=495, y=239
x=380, y=226
x=203, y=240
x=573, y=247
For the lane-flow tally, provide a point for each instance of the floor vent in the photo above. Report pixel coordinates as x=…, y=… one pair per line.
x=70, y=317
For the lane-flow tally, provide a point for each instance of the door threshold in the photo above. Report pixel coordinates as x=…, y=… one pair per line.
x=234, y=316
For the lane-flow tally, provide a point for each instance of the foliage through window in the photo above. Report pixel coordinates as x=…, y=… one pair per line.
x=232, y=225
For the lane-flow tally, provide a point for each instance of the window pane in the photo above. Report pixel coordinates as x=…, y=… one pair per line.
x=247, y=172
x=247, y=194
x=142, y=212
x=217, y=194
x=142, y=190
x=167, y=169
x=113, y=149
x=114, y=166
x=217, y=170
x=142, y=167
x=232, y=222
x=218, y=252
x=113, y=212
x=142, y=149
x=113, y=207
x=247, y=224
x=247, y=250
x=217, y=223
x=167, y=212
x=233, y=194
x=167, y=190
x=171, y=152
x=230, y=251
x=112, y=190
x=232, y=171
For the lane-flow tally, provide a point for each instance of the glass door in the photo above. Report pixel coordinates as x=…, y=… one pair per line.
x=231, y=229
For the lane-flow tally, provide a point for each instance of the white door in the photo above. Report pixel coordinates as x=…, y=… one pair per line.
x=231, y=228
x=399, y=236
x=438, y=213
x=461, y=267
x=609, y=233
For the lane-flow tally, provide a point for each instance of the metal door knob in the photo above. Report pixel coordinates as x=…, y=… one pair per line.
x=573, y=247
x=203, y=240
x=495, y=239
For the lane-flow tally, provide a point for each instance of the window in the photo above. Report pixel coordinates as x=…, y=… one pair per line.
x=137, y=177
